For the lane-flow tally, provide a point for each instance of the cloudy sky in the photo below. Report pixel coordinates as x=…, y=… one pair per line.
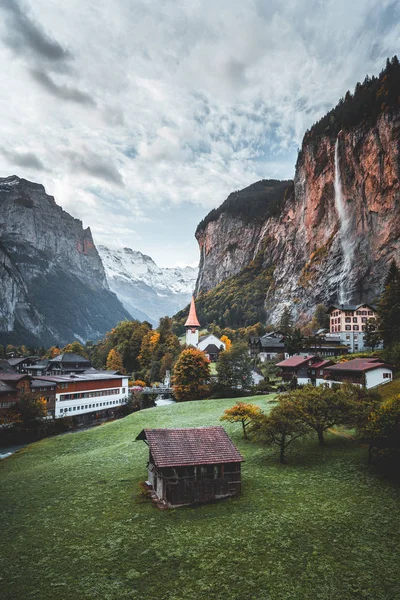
x=140, y=116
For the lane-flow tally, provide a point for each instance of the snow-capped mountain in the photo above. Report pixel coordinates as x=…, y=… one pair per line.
x=143, y=287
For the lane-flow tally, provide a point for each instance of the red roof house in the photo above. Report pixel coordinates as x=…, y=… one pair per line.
x=192, y=465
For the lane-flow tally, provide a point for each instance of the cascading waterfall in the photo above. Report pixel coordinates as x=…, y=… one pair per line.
x=344, y=234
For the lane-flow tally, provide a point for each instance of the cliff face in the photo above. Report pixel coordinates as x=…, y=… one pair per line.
x=335, y=233
x=53, y=284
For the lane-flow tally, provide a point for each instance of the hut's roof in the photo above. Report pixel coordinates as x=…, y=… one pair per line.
x=190, y=446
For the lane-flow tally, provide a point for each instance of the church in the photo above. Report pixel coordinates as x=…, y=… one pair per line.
x=210, y=344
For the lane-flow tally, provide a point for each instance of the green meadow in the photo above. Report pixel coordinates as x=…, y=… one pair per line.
x=74, y=525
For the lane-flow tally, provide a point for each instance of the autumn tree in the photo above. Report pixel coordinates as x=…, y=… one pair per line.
x=320, y=407
x=226, y=341
x=53, y=352
x=27, y=412
x=243, y=413
x=282, y=426
x=191, y=375
x=114, y=361
x=382, y=430
x=77, y=348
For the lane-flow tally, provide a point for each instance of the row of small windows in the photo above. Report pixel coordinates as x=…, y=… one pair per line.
x=97, y=405
x=96, y=394
x=350, y=313
x=348, y=320
x=338, y=329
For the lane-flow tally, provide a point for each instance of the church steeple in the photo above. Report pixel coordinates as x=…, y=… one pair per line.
x=192, y=326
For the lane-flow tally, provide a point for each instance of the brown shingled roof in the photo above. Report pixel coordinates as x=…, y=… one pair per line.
x=295, y=361
x=190, y=446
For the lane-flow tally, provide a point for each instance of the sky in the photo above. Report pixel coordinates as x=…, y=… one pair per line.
x=139, y=117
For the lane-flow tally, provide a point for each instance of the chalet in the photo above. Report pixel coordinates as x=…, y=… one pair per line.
x=68, y=362
x=192, y=465
x=367, y=372
x=47, y=391
x=306, y=369
x=12, y=387
x=88, y=394
x=21, y=364
x=268, y=346
x=350, y=321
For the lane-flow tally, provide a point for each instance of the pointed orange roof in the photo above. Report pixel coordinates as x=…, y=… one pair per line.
x=192, y=320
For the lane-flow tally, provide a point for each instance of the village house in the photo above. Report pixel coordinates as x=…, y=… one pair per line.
x=12, y=387
x=47, y=391
x=349, y=321
x=87, y=395
x=267, y=347
x=21, y=364
x=210, y=344
x=367, y=372
x=306, y=369
x=191, y=465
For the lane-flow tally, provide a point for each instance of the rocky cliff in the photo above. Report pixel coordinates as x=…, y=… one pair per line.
x=53, y=287
x=146, y=290
x=334, y=233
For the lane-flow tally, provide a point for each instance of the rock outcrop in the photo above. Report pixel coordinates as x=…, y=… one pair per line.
x=337, y=227
x=53, y=284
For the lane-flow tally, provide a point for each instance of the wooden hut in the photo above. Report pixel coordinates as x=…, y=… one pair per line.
x=192, y=465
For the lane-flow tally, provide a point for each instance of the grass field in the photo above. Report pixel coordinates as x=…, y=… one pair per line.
x=390, y=389
x=74, y=526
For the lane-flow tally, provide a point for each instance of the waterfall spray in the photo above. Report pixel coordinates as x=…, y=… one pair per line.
x=344, y=233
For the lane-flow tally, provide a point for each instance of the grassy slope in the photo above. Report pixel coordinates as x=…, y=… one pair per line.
x=390, y=389
x=75, y=528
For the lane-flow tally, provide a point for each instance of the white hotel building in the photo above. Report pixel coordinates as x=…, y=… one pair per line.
x=90, y=392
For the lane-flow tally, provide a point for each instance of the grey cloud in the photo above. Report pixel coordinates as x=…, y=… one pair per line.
x=23, y=159
x=64, y=92
x=25, y=36
x=94, y=165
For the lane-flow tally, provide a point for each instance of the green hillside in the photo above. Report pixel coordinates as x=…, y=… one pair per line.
x=74, y=526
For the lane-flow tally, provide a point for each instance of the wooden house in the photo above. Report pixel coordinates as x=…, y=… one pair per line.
x=192, y=465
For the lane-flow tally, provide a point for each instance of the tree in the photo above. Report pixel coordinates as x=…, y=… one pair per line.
x=286, y=321
x=191, y=375
x=320, y=407
x=77, y=348
x=280, y=427
x=234, y=369
x=321, y=317
x=226, y=341
x=243, y=413
x=294, y=342
x=388, y=308
x=372, y=337
x=114, y=361
x=27, y=412
x=382, y=430
x=53, y=352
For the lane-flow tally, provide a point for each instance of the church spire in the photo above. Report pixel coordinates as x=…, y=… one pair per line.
x=192, y=320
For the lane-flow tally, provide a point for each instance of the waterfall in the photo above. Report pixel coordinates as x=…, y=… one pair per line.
x=344, y=234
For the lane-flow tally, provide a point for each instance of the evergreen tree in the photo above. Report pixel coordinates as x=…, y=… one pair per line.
x=389, y=308
x=286, y=321
x=294, y=342
x=372, y=337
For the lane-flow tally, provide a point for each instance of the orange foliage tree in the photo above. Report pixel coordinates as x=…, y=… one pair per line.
x=243, y=413
x=114, y=361
x=191, y=375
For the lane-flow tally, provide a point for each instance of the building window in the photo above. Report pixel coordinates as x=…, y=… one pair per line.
x=348, y=327
x=370, y=312
x=356, y=328
x=354, y=319
x=363, y=319
x=348, y=337
x=387, y=376
x=348, y=320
